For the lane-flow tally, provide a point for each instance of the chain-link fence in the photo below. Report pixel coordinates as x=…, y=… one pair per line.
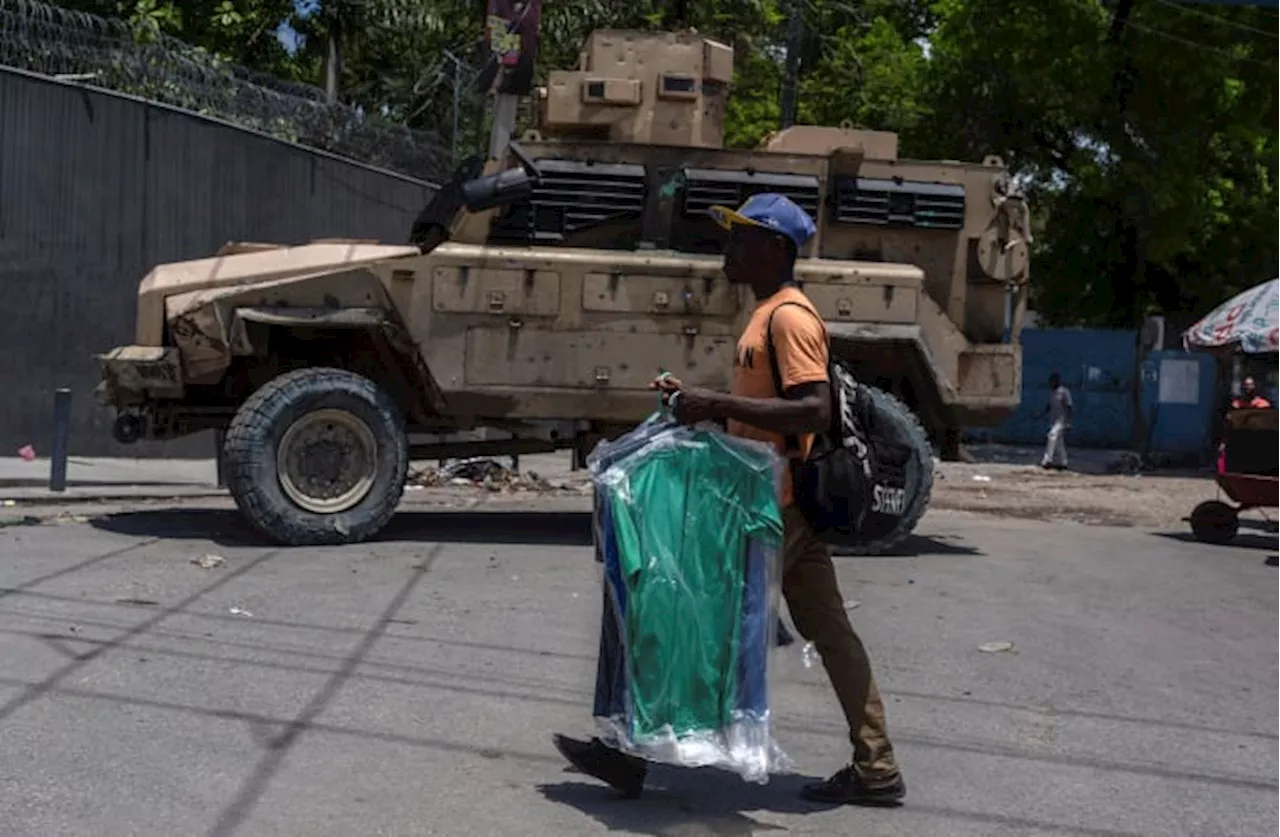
x=107, y=53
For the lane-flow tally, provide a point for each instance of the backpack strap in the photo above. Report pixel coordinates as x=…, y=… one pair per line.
x=791, y=441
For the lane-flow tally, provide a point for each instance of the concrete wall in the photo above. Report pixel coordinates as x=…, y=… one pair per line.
x=97, y=188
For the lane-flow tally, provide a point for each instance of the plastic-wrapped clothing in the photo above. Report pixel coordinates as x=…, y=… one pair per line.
x=688, y=529
x=756, y=613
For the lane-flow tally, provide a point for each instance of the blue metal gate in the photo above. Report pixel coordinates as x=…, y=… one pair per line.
x=1179, y=401
x=1097, y=365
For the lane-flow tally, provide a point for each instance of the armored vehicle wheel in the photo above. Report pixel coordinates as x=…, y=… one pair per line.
x=317, y=456
x=1214, y=522
x=893, y=421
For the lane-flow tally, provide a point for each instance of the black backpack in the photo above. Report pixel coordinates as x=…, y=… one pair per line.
x=852, y=487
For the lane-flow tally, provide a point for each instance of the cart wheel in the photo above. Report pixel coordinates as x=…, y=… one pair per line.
x=1214, y=522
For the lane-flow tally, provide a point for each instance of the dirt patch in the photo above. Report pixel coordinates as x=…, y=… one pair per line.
x=1147, y=501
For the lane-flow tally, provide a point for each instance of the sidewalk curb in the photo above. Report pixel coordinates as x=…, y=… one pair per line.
x=9, y=483
x=53, y=498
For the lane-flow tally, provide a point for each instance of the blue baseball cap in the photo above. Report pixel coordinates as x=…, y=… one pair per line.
x=772, y=211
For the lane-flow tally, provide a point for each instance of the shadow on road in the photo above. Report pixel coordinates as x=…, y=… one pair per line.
x=712, y=802
x=914, y=546
x=703, y=801
x=227, y=528
x=1243, y=540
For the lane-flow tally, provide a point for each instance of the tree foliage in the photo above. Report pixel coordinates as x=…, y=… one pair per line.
x=1144, y=130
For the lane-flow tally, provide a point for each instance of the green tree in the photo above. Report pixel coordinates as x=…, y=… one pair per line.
x=240, y=31
x=1146, y=131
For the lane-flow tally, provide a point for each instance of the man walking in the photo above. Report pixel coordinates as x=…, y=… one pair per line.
x=765, y=237
x=1059, y=410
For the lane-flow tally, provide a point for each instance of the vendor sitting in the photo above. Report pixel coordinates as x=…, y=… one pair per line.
x=1249, y=399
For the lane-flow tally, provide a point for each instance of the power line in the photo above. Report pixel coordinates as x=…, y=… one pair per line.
x=1222, y=20
x=1178, y=39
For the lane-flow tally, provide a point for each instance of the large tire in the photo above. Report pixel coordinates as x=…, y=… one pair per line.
x=895, y=421
x=317, y=456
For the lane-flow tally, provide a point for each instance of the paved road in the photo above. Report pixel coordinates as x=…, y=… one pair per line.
x=409, y=687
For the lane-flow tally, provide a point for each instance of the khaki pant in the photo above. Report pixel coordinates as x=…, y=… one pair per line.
x=1055, y=446
x=817, y=608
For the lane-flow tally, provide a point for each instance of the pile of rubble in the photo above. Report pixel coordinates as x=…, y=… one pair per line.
x=493, y=476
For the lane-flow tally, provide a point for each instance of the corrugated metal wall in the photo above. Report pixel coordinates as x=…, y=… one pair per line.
x=97, y=188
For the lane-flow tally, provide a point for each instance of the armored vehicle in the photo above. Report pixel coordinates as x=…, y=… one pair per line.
x=545, y=285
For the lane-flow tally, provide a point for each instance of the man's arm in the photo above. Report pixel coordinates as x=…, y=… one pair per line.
x=805, y=405
x=804, y=408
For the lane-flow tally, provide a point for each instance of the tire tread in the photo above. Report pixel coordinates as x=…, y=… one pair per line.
x=245, y=444
x=890, y=407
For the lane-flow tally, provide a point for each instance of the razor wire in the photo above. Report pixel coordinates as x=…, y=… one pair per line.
x=112, y=54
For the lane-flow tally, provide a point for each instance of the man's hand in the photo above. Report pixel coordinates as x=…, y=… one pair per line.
x=693, y=404
x=667, y=384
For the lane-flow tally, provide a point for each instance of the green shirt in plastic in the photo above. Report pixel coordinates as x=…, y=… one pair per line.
x=683, y=518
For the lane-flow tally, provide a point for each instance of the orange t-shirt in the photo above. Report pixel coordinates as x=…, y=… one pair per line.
x=800, y=340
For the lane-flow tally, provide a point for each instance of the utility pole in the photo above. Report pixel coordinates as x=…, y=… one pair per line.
x=332, y=63
x=791, y=82
x=511, y=35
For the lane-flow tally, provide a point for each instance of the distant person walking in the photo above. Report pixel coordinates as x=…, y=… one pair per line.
x=1059, y=410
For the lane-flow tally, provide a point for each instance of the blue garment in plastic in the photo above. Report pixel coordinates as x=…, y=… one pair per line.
x=703, y=701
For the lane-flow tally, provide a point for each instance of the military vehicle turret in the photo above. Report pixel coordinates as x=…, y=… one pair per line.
x=545, y=286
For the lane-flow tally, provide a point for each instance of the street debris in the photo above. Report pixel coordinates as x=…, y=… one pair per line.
x=239, y=611
x=1128, y=463
x=8, y=504
x=851, y=604
x=491, y=476
x=475, y=470
x=27, y=452
x=33, y=520
x=995, y=647
x=208, y=561
x=981, y=478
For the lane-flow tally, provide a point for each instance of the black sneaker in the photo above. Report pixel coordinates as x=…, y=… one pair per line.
x=613, y=767
x=845, y=788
